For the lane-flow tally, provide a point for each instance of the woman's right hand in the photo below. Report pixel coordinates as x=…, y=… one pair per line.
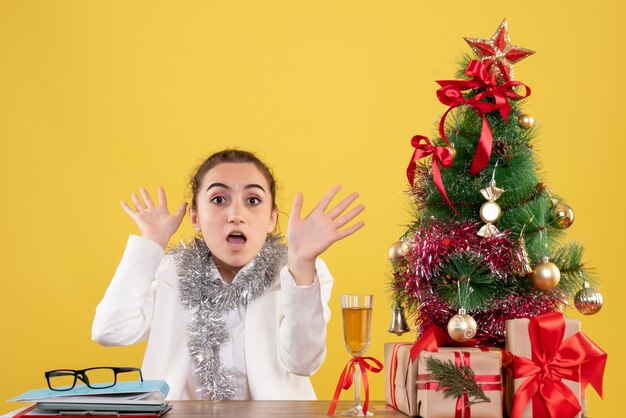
x=155, y=221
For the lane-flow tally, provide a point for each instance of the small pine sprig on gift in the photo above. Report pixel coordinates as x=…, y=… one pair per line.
x=454, y=380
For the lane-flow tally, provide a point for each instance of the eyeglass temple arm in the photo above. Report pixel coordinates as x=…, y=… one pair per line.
x=82, y=376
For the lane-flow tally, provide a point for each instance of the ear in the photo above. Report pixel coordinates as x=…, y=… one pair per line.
x=195, y=219
x=273, y=220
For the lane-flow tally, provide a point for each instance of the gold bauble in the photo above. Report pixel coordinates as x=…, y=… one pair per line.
x=398, y=250
x=525, y=121
x=588, y=301
x=563, y=216
x=452, y=150
x=490, y=212
x=546, y=275
x=462, y=327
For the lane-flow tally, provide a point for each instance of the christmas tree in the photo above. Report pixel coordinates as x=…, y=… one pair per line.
x=486, y=244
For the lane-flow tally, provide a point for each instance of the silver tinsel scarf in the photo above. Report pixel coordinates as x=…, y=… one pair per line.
x=202, y=289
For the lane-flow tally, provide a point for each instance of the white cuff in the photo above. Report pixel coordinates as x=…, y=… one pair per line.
x=287, y=279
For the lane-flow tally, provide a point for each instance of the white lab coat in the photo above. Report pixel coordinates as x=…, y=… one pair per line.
x=285, y=328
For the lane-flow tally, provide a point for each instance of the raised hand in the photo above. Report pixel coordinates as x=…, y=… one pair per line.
x=311, y=236
x=155, y=221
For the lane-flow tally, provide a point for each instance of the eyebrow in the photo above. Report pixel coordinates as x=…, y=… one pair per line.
x=248, y=186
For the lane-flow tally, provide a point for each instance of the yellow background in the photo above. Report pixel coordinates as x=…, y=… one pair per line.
x=98, y=98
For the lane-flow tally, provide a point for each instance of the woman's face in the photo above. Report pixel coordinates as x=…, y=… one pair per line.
x=234, y=214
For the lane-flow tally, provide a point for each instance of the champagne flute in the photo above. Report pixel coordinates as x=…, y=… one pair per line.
x=357, y=329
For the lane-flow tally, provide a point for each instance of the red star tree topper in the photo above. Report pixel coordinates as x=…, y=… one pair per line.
x=497, y=53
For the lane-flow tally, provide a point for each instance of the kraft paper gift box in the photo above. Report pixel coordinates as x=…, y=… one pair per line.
x=487, y=367
x=401, y=374
x=518, y=343
x=400, y=378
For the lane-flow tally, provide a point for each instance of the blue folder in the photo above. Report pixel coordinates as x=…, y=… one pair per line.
x=146, y=396
x=121, y=391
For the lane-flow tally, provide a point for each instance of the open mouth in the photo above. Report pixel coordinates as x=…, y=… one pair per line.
x=236, y=238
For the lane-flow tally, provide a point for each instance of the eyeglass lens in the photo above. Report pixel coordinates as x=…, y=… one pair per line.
x=61, y=379
x=99, y=378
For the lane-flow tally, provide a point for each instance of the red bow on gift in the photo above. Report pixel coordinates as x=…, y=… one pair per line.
x=434, y=338
x=451, y=95
x=347, y=376
x=441, y=156
x=429, y=341
x=577, y=358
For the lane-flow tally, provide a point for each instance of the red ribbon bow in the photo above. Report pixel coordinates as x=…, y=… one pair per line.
x=429, y=341
x=577, y=358
x=451, y=95
x=347, y=376
x=441, y=156
x=434, y=338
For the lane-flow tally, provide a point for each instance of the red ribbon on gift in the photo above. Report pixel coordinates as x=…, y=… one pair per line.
x=450, y=94
x=392, y=373
x=577, y=358
x=347, y=376
x=441, y=157
x=462, y=402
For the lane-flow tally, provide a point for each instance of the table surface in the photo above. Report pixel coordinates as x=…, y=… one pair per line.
x=269, y=409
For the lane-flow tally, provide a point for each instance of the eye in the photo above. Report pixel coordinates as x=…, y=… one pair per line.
x=254, y=201
x=218, y=200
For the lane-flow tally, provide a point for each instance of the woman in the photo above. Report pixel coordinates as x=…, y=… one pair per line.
x=232, y=314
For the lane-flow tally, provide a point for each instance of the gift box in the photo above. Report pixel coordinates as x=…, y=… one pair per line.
x=400, y=378
x=550, y=363
x=486, y=372
x=401, y=374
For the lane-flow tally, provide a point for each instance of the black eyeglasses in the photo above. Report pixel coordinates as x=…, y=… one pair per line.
x=94, y=377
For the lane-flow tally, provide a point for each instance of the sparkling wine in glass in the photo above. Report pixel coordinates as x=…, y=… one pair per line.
x=357, y=330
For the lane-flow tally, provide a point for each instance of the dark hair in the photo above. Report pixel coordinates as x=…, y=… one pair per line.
x=231, y=155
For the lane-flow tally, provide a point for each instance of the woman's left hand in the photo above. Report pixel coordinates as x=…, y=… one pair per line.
x=311, y=236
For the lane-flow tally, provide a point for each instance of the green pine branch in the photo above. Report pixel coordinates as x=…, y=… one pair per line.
x=569, y=259
x=465, y=280
x=454, y=380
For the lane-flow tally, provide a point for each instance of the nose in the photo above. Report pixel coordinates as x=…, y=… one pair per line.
x=235, y=213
